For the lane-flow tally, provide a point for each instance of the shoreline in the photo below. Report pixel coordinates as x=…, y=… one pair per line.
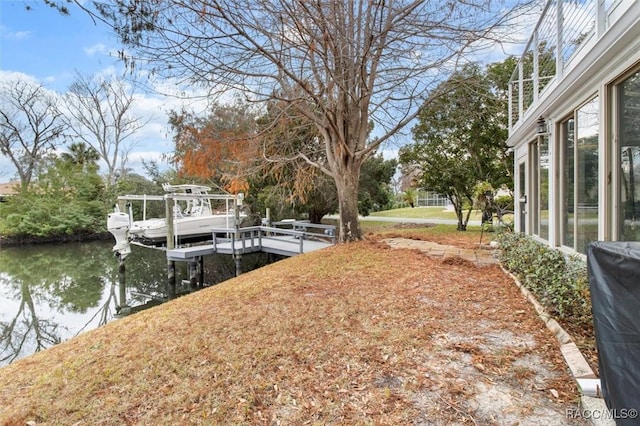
x=22, y=241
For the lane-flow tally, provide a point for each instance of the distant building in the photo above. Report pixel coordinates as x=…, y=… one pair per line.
x=574, y=125
x=8, y=189
x=431, y=199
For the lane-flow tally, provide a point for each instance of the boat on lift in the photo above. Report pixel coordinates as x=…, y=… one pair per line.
x=194, y=215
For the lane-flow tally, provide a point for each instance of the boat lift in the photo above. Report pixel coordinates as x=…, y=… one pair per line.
x=302, y=237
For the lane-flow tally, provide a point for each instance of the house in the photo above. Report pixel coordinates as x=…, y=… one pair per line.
x=574, y=125
x=7, y=189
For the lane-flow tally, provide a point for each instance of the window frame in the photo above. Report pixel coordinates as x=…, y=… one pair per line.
x=568, y=235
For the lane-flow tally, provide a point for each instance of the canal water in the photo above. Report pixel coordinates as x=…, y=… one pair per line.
x=50, y=293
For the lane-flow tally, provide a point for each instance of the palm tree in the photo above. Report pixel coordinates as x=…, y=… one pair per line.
x=81, y=155
x=409, y=196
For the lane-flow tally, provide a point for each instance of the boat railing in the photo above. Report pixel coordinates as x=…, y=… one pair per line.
x=130, y=197
x=230, y=201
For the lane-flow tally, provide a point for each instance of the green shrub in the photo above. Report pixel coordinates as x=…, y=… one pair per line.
x=504, y=203
x=558, y=281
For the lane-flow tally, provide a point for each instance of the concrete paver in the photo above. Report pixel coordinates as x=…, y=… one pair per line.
x=480, y=256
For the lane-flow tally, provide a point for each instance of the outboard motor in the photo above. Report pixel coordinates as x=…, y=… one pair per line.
x=118, y=224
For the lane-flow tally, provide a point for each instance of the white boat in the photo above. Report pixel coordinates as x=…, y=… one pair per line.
x=194, y=217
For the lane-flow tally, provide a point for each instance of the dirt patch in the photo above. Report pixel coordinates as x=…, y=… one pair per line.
x=530, y=367
x=437, y=234
x=458, y=261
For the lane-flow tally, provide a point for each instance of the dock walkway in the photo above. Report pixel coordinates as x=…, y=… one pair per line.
x=267, y=239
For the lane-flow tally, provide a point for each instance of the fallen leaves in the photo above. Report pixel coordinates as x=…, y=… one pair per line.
x=354, y=334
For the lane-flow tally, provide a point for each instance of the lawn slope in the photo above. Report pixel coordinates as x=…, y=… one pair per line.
x=355, y=334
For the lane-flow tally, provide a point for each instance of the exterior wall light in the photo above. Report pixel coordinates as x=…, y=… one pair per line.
x=542, y=126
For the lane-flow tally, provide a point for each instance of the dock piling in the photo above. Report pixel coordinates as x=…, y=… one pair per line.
x=238, y=260
x=193, y=274
x=122, y=282
x=171, y=265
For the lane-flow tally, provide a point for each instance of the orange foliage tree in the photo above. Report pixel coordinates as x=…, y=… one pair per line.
x=233, y=147
x=218, y=148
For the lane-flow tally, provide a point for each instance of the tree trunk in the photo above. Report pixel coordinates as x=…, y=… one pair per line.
x=462, y=226
x=347, y=186
x=466, y=220
x=315, y=216
x=457, y=207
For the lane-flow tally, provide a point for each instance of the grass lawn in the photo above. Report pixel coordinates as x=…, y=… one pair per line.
x=353, y=334
x=430, y=213
x=425, y=213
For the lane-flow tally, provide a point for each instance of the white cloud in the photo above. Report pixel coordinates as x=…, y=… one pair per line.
x=50, y=79
x=140, y=156
x=5, y=33
x=96, y=49
x=19, y=35
x=11, y=76
x=136, y=160
x=389, y=154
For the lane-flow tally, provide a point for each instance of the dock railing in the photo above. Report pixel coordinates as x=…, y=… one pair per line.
x=249, y=239
x=306, y=227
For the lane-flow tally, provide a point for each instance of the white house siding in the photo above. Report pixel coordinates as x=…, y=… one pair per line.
x=584, y=82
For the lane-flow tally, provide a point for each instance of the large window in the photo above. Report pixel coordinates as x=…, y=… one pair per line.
x=579, y=178
x=567, y=185
x=628, y=132
x=535, y=188
x=539, y=153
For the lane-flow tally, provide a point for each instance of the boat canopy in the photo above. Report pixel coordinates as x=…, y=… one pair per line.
x=186, y=188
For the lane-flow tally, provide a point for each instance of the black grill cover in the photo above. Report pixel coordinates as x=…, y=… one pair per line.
x=614, y=281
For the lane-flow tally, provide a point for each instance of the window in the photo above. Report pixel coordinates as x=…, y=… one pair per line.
x=579, y=177
x=522, y=189
x=543, y=165
x=535, y=188
x=539, y=153
x=587, y=175
x=628, y=157
x=567, y=185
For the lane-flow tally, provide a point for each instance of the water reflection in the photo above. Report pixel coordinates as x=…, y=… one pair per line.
x=51, y=293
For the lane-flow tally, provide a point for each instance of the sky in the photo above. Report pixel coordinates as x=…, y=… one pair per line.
x=49, y=48
x=43, y=46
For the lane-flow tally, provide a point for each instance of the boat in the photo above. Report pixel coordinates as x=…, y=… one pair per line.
x=194, y=217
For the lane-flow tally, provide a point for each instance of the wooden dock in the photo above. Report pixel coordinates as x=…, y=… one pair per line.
x=266, y=239
x=286, y=238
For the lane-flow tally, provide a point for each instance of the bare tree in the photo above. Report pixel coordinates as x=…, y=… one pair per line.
x=30, y=126
x=340, y=63
x=100, y=114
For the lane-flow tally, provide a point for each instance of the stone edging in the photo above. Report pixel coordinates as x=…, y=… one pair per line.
x=580, y=368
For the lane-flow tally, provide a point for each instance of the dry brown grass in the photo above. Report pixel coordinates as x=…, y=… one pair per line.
x=354, y=334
